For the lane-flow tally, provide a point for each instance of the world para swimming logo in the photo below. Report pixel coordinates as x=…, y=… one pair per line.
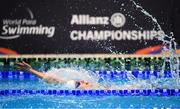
x=14, y=28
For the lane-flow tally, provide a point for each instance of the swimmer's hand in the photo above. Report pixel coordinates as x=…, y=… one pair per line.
x=23, y=66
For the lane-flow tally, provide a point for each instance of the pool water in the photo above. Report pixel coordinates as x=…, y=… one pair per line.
x=34, y=98
x=55, y=101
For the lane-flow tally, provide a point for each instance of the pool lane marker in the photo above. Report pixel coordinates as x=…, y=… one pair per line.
x=145, y=92
x=113, y=74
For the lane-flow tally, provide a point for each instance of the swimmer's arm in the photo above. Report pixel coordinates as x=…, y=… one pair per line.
x=26, y=67
x=46, y=77
x=37, y=73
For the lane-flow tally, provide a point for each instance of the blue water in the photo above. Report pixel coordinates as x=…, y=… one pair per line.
x=55, y=101
x=73, y=101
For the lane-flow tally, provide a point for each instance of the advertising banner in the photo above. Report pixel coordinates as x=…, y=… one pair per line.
x=86, y=26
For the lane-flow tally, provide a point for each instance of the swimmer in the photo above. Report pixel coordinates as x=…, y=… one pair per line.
x=81, y=84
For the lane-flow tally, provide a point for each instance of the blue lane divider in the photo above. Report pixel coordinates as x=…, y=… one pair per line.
x=145, y=74
x=113, y=74
x=16, y=75
x=147, y=92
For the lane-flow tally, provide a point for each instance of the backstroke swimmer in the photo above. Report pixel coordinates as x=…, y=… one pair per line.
x=74, y=84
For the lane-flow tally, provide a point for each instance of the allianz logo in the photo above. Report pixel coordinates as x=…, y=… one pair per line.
x=117, y=20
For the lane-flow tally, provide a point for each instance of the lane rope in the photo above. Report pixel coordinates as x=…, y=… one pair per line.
x=141, y=92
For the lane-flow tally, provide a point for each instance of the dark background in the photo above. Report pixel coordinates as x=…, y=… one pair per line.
x=58, y=13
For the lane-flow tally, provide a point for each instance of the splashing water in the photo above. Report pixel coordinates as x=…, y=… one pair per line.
x=169, y=45
x=129, y=83
x=73, y=74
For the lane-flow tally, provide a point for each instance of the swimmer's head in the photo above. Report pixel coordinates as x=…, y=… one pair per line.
x=83, y=85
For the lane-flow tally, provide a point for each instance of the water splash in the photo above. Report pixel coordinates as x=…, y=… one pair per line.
x=109, y=83
x=169, y=45
x=73, y=74
x=169, y=53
